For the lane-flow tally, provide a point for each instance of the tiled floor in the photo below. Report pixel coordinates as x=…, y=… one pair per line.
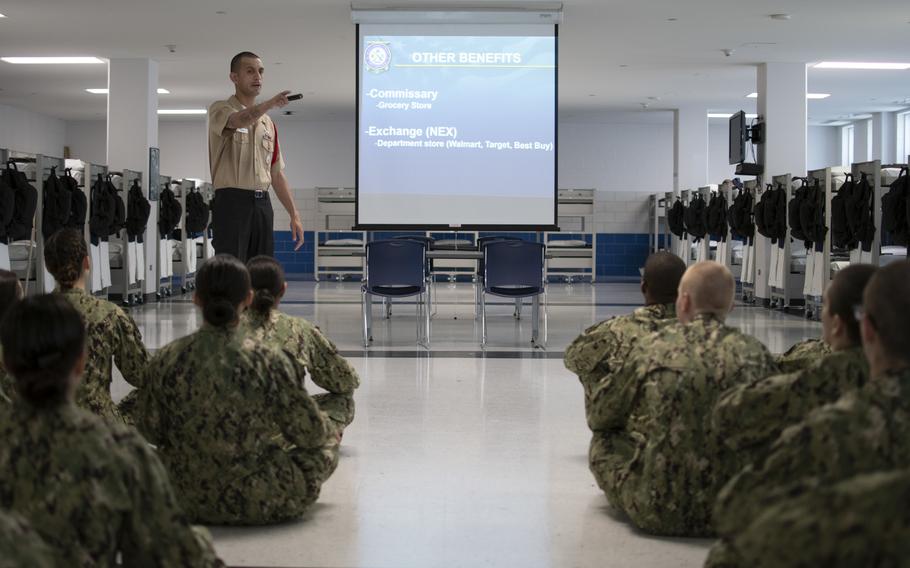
x=460, y=457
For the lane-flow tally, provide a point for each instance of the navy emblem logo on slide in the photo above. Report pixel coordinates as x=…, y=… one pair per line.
x=378, y=57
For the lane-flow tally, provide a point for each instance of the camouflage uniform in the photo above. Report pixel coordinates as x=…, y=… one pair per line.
x=317, y=353
x=243, y=441
x=20, y=545
x=802, y=355
x=866, y=430
x=111, y=334
x=604, y=346
x=93, y=488
x=655, y=452
x=863, y=521
x=752, y=416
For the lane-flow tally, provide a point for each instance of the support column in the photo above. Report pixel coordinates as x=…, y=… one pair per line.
x=884, y=138
x=862, y=141
x=132, y=128
x=690, y=148
x=782, y=108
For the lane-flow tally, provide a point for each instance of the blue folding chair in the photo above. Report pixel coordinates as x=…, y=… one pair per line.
x=482, y=242
x=515, y=269
x=395, y=269
x=428, y=241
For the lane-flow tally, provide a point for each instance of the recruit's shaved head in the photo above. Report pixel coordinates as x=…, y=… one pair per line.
x=660, y=280
x=887, y=304
x=710, y=288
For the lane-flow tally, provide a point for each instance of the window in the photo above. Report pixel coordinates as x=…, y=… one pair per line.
x=846, y=145
x=903, y=136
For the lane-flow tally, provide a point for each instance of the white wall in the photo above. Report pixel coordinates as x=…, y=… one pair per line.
x=87, y=140
x=617, y=154
x=823, y=147
x=26, y=131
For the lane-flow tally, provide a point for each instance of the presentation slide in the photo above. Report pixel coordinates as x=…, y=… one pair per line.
x=457, y=130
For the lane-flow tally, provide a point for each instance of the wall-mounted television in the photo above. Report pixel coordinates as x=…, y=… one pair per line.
x=738, y=136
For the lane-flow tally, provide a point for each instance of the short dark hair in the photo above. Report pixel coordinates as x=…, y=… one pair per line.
x=235, y=61
x=663, y=271
x=267, y=278
x=886, y=302
x=64, y=253
x=43, y=338
x=222, y=284
x=10, y=291
x=846, y=292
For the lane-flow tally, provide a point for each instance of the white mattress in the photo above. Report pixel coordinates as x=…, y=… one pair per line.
x=18, y=250
x=343, y=243
x=567, y=243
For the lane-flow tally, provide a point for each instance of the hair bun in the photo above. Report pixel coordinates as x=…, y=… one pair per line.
x=263, y=301
x=219, y=312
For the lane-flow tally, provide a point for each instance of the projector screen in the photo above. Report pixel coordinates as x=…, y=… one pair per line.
x=456, y=126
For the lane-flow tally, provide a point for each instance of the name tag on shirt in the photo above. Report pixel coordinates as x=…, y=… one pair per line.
x=243, y=130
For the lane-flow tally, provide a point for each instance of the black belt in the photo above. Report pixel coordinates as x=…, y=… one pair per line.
x=257, y=193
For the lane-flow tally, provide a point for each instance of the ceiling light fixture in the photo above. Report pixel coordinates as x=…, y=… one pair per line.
x=51, y=60
x=2, y=16
x=182, y=111
x=813, y=96
x=861, y=65
x=105, y=91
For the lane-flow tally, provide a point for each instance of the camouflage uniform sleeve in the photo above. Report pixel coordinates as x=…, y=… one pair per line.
x=130, y=354
x=589, y=356
x=148, y=414
x=615, y=394
x=20, y=545
x=7, y=388
x=328, y=368
x=757, y=412
x=802, y=355
x=298, y=415
x=859, y=522
x=830, y=442
x=157, y=532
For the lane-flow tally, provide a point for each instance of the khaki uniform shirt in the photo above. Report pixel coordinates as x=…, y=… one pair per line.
x=243, y=158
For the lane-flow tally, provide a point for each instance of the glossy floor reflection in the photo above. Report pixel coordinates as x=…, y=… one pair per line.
x=460, y=457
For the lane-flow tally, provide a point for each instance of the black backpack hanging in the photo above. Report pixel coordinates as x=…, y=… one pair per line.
x=169, y=212
x=794, y=209
x=859, y=213
x=739, y=216
x=780, y=216
x=676, y=219
x=717, y=217
x=696, y=218
x=138, y=210
x=78, y=202
x=56, y=205
x=25, y=205
x=820, y=224
x=197, y=213
x=764, y=213
x=894, y=209
x=808, y=218
x=841, y=235
x=7, y=203
x=103, y=211
x=119, y=221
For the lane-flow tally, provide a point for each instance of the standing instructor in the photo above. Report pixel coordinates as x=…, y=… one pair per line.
x=245, y=160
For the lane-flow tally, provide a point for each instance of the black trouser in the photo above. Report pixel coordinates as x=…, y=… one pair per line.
x=242, y=223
